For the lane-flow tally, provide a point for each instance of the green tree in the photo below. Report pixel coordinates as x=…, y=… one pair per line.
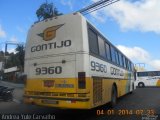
x=1, y=56
x=47, y=10
x=11, y=60
x=20, y=56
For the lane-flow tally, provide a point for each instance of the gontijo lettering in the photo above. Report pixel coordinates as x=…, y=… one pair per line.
x=51, y=45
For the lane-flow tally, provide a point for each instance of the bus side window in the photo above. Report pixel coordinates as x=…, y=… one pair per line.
x=93, y=41
x=113, y=54
x=120, y=59
x=124, y=62
x=132, y=67
x=129, y=65
x=101, y=44
x=108, y=51
x=117, y=57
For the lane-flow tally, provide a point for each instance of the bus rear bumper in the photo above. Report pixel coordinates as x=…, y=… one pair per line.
x=68, y=103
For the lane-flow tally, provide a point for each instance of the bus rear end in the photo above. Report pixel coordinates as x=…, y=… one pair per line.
x=54, y=63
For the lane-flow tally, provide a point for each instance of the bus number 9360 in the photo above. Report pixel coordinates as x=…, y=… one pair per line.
x=95, y=66
x=48, y=70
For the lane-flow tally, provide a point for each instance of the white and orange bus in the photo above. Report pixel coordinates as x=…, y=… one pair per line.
x=70, y=64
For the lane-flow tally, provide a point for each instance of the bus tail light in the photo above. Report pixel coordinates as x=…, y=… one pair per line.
x=24, y=79
x=81, y=80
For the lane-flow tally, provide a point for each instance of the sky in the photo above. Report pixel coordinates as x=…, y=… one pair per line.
x=133, y=26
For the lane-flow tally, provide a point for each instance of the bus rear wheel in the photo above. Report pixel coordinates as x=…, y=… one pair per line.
x=113, y=96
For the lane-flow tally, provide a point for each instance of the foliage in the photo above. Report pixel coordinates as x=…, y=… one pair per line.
x=1, y=56
x=47, y=10
x=20, y=55
x=16, y=59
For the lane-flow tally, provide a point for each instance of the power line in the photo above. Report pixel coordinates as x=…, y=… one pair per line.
x=96, y=6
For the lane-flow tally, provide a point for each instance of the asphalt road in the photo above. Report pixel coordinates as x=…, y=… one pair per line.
x=130, y=107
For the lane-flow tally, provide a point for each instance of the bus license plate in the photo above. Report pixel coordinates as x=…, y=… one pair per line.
x=49, y=102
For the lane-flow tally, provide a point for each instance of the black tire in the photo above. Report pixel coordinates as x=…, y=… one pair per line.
x=141, y=84
x=113, y=96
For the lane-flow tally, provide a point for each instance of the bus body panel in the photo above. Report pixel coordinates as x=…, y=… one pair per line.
x=109, y=74
x=57, y=61
x=69, y=29
x=53, y=64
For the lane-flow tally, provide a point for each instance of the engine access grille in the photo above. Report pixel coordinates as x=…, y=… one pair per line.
x=97, y=90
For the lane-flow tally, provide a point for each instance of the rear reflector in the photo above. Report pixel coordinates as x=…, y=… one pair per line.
x=24, y=78
x=81, y=80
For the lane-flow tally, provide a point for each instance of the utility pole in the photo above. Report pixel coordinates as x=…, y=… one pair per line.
x=12, y=43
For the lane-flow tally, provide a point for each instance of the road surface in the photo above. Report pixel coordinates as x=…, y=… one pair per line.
x=130, y=107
